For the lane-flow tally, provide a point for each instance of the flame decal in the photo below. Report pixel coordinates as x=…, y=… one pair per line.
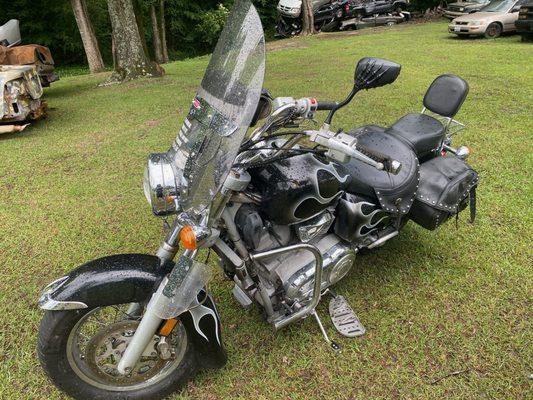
x=365, y=220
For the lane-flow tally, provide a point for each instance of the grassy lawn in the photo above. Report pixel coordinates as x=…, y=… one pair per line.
x=433, y=303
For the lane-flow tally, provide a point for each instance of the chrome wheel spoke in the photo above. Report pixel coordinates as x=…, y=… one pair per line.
x=98, y=341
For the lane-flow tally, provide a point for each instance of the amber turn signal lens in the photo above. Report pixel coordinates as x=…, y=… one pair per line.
x=188, y=237
x=167, y=327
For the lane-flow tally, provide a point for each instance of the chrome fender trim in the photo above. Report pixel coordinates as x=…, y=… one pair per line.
x=47, y=303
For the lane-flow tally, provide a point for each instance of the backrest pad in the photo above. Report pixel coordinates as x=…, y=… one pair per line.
x=446, y=95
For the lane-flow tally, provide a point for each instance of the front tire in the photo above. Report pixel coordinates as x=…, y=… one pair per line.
x=83, y=375
x=493, y=31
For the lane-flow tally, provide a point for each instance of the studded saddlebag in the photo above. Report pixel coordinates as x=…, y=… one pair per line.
x=446, y=186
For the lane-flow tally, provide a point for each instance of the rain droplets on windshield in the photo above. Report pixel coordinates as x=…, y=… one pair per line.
x=221, y=112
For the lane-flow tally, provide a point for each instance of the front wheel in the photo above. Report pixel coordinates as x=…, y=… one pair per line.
x=493, y=31
x=80, y=351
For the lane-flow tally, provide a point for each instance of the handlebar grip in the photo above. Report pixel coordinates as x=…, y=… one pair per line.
x=389, y=165
x=326, y=105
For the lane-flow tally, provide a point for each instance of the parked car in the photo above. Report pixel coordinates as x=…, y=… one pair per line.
x=10, y=33
x=11, y=53
x=461, y=8
x=327, y=16
x=22, y=92
x=524, y=23
x=293, y=8
x=366, y=8
x=375, y=20
x=491, y=21
x=24, y=70
x=332, y=15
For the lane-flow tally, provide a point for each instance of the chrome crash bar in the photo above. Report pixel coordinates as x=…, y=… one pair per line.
x=309, y=308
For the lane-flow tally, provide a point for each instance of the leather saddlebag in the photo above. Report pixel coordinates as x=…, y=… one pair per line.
x=446, y=186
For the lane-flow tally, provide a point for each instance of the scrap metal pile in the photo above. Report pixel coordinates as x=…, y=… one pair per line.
x=24, y=71
x=336, y=15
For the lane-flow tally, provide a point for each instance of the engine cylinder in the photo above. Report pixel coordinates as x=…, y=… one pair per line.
x=296, y=270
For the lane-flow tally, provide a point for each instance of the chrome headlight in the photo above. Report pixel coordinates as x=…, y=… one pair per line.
x=475, y=23
x=160, y=185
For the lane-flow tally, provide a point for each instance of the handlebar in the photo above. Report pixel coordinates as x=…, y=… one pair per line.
x=326, y=105
x=342, y=146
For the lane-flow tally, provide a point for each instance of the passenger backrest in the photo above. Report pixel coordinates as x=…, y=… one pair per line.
x=446, y=95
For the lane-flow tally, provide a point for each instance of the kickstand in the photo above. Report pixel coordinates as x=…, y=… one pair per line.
x=330, y=292
x=334, y=346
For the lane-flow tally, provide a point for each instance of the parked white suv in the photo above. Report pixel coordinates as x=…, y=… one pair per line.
x=293, y=8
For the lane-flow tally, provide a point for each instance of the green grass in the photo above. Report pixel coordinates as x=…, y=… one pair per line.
x=433, y=302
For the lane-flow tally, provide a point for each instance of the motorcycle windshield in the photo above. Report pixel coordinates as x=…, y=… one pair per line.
x=221, y=112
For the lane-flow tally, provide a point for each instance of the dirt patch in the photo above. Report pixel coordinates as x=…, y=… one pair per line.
x=285, y=44
x=91, y=143
x=152, y=123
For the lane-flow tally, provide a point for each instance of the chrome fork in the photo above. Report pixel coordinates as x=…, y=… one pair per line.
x=150, y=321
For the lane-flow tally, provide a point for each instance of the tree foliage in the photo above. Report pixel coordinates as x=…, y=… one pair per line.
x=192, y=26
x=51, y=23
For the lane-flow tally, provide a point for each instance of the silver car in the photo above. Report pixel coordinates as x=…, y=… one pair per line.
x=491, y=21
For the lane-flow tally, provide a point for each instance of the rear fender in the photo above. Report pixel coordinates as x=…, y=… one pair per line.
x=135, y=276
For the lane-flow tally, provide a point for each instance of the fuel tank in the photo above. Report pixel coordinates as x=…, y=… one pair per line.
x=298, y=188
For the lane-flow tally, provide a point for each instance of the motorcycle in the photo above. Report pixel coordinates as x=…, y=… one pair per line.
x=285, y=216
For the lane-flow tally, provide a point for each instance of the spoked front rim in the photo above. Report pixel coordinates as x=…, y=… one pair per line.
x=493, y=31
x=96, y=343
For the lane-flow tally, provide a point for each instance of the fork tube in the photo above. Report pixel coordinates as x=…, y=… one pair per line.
x=168, y=249
x=146, y=329
x=143, y=335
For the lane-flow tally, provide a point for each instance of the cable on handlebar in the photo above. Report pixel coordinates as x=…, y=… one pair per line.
x=249, y=143
x=290, y=153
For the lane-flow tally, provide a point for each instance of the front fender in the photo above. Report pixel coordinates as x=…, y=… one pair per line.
x=135, y=276
x=94, y=283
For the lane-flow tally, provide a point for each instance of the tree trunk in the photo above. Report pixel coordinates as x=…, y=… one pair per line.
x=156, y=36
x=308, y=18
x=141, y=23
x=131, y=59
x=163, y=30
x=88, y=37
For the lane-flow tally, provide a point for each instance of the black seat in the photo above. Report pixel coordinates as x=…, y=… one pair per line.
x=420, y=131
x=423, y=132
x=395, y=193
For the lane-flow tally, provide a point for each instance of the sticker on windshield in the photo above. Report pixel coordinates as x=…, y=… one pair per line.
x=196, y=103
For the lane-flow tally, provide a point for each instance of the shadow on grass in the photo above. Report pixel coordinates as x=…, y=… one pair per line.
x=475, y=38
x=396, y=262
x=82, y=84
x=28, y=132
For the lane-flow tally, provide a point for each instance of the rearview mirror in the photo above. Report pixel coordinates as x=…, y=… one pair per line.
x=375, y=72
x=264, y=107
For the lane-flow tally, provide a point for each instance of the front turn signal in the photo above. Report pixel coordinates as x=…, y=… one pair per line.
x=188, y=238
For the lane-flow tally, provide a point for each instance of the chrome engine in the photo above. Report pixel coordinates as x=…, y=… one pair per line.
x=288, y=279
x=295, y=271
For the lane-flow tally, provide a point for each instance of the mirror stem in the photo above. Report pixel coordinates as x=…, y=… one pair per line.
x=341, y=104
